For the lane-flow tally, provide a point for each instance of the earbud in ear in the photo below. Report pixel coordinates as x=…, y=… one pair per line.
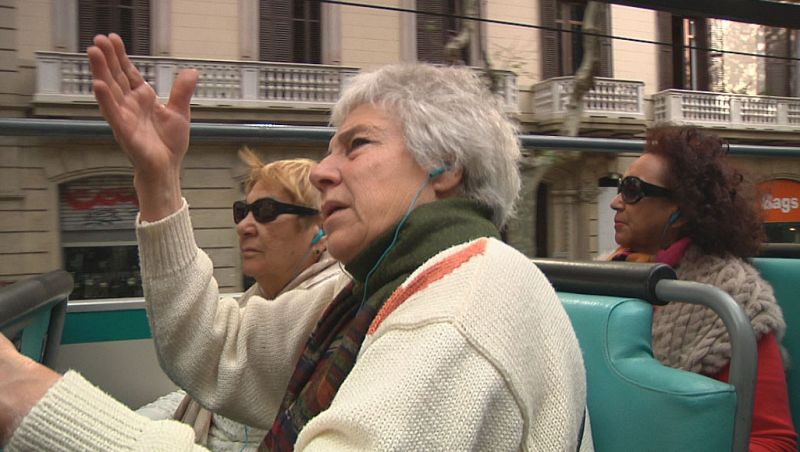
x=674, y=217
x=318, y=237
x=437, y=172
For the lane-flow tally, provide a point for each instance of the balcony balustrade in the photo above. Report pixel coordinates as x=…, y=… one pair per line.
x=609, y=98
x=65, y=78
x=722, y=110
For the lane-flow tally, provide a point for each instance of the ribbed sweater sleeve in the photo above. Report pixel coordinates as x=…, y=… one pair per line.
x=75, y=415
x=235, y=362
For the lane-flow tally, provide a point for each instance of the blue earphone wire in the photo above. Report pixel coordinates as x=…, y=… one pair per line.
x=432, y=175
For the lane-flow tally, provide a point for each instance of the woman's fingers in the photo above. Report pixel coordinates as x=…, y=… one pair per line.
x=110, y=49
x=114, y=77
x=100, y=73
x=100, y=57
x=182, y=90
x=132, y=75
x=105, y=100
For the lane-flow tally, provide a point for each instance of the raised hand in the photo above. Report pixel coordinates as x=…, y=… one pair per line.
x=154, y=136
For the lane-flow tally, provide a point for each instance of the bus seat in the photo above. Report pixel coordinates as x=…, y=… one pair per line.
x=634, y=402
x=783, y=274
x=32, y=314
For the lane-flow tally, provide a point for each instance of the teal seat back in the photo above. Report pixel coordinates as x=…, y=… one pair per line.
x=634, y=402
x=784, y=276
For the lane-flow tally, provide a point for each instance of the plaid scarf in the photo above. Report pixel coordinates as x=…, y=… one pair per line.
x=331, y=351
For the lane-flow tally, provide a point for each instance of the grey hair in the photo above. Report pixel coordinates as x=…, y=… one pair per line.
x=449, y=117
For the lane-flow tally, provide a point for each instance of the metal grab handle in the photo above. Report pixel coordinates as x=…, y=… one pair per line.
x=25, y=297
x=744, y=354
x=617, y=279
x=28, y=295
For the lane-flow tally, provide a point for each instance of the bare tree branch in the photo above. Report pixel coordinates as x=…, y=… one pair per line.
x=584, y=76
x=454, y=48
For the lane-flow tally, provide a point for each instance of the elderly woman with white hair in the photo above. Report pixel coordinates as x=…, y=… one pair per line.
x=444, y=339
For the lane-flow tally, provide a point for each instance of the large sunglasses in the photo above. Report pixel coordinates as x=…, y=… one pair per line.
x=267, y=209
x=634, y=189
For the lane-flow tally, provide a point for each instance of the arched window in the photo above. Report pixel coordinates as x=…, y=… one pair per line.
x=98, y=239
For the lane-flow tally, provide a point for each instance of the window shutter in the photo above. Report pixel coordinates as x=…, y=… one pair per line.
x=131, y=20
x=104, y=18
x=315, y=33
x=606, y=67
x=140, y=28
x=701, y=27
x=776, y=72
x=275, y=34
x=431, y=31
x=664, y=34
x=86, y=24
x=550, y=48
x=306, y=32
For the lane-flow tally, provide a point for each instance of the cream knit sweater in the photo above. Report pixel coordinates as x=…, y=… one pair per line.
x=483, y=358
x=224, y=434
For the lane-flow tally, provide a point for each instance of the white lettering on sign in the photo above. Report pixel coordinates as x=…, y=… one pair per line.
x=785, y=205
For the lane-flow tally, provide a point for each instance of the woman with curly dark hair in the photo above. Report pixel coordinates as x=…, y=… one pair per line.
x=683, y=204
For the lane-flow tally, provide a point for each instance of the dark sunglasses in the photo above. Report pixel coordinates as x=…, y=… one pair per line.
x=267, y=209
x=634, y=189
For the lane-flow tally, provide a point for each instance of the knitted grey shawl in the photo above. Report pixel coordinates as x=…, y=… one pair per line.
x=693, y=337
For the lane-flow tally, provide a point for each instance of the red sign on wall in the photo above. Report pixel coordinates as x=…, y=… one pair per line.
x=780, y=200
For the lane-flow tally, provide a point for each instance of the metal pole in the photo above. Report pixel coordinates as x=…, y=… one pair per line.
x=210, y=131
x=744, y=355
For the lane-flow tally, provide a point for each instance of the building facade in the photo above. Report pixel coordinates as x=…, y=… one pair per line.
x=68, y=203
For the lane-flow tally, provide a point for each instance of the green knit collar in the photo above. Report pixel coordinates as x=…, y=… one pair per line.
x=430, y=228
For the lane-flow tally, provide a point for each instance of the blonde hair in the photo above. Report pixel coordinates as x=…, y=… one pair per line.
x=291, y=175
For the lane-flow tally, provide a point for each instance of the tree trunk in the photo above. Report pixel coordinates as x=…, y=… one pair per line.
x=584, y=76
x=535, y=166
x=454, y=48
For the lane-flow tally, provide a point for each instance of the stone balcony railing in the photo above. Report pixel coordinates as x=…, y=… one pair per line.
x=66, y=78
x=609, y=98
x=63, y=78
x=724, y=110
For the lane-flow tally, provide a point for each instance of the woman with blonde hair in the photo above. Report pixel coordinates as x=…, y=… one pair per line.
x=283, y=249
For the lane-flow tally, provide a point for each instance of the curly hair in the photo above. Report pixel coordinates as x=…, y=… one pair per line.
x=716, y=201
